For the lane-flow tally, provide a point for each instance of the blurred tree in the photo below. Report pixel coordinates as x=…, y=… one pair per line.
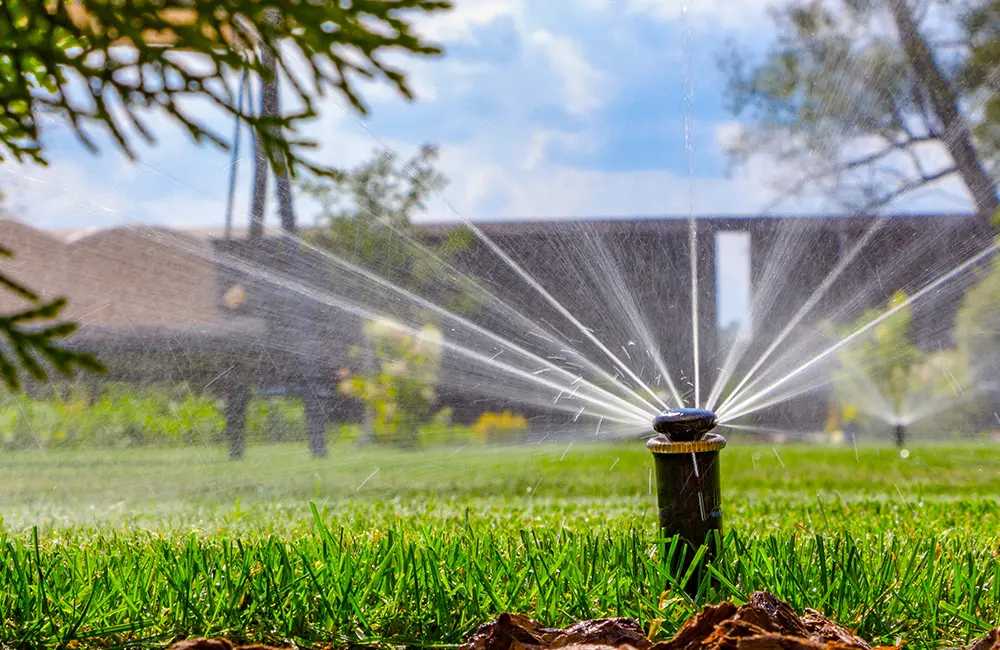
x=977, y=328
x=101, y=64
x=863, y=96
x=977, y=323
x=366, y=218
x=980, y=76
x=400, y=392
x=366, y=215
x=880, y=359
x=947, y=397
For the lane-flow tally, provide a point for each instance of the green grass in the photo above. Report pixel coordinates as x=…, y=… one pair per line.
x=140, y=547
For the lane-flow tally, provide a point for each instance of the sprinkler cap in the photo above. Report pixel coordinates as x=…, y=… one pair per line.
x=684, y=425
x=661, y=444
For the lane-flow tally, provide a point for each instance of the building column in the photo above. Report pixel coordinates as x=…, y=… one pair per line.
x=708, y=328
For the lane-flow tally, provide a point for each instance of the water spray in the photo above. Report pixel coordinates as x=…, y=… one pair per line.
x=688, y=495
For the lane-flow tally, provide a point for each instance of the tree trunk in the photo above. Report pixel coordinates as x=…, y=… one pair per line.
x=316, y=420
x=259, y=190
x=368, y=424
x=944, y=100
x=275, y=425
x=237, y=401
x=234, y=166
x=269, y=108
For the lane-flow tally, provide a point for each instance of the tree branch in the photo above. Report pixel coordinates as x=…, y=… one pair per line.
x=32, y=337
x=893, y=147
x=944, y=101
x=47, y=46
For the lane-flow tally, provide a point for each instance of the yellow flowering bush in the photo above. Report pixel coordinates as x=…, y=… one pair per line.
x=500, y=427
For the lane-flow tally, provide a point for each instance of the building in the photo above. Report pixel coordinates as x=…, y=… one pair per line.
x=232, y=316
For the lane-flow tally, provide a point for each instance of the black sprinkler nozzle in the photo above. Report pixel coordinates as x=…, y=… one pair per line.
x=899, y=432
x=688, y=494
x=684, y=425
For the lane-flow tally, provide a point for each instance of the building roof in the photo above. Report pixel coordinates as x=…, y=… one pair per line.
x=142, y=275
x=661, y=223
x=125, y=276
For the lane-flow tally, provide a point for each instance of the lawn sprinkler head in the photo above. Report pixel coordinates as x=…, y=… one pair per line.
x=899, y=431
x=688, y=494
x=684, y=425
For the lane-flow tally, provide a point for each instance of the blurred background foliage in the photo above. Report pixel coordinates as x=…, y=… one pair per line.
x=399, y=389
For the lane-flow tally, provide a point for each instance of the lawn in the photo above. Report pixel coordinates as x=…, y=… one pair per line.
x=417, y=548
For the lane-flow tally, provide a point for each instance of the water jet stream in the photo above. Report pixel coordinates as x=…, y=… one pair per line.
x=692, y=221
x=693, y=245
x=790, y=243
x=465, y=322
x=524, y=275
x=762, y=429
x=803, y=349
x=631, y=416
x=619, y=409
x=780, y=398
x=747, y=405
x=620, y=292
x=561, y=309
x=799, y=315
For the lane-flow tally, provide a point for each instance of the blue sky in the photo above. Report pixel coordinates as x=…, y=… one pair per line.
x=554, y=109
x=532, y=103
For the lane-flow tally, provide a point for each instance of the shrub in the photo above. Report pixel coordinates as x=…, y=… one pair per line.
x=400, y=391
x=276, y=419
x=500, y=427
x=125, y=416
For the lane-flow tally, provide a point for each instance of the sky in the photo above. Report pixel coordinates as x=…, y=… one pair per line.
x=543, y=110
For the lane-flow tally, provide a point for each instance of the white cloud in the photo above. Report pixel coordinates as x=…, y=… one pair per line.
x=497, y=175
x=582, y=83
x=69, y=195
x=727, y=14
x=727, y=133
x=542, y=141
x=459, y=24
x=515, y=179
x=566, y=192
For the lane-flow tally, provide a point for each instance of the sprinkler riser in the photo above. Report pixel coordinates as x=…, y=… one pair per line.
x=899, y=432
x=688, y=488
x=682, y=513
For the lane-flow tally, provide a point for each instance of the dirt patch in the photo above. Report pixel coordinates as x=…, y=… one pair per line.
x=989, y=642
x=763, y=623
x=214, y=644
x=517, y=632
